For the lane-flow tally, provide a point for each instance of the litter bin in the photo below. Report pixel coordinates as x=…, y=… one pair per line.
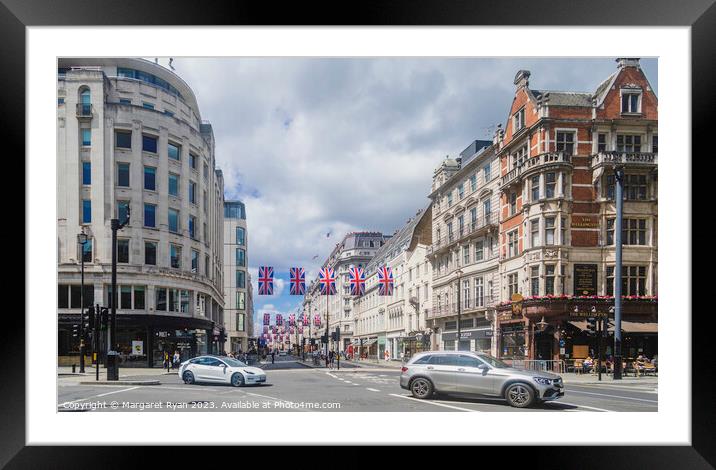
x=112, y=365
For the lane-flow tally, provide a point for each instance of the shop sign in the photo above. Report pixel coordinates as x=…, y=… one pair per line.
x=183, y=345
x=516, y=304
x=585, y=279
x=474, y=334
x=137, y=348
x=585, y=222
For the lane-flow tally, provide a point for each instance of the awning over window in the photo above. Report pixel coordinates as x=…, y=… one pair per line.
x=368, y=342
x=627, y=326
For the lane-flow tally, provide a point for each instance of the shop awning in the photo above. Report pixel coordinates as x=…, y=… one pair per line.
x=627, y=326
x=368, y=342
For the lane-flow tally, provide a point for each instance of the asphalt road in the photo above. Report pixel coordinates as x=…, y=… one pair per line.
x=348, y=390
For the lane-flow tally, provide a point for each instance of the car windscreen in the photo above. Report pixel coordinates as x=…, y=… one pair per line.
x=493, y=361
x=233, y=362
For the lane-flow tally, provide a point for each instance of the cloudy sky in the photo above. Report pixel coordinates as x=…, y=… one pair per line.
x=327, y=146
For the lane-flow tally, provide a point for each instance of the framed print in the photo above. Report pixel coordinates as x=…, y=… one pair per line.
x=344, y=230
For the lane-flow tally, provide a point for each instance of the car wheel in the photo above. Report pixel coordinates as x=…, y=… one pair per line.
x=237, y=380
x=519, y=395
x=188, y=378
x=421, y=388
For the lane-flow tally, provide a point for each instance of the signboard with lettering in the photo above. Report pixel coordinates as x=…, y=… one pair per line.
x=585, y=279
x=585, y=222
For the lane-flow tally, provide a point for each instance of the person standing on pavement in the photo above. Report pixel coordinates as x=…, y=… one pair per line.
x=167, y=362
x=177, y=360
x=273, y=354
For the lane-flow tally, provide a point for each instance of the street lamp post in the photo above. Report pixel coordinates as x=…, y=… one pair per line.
x=115, y=225
x=82, y=241
x=619, y=183
x=458, y=273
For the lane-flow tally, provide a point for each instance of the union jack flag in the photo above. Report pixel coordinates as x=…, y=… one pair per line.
x=267, y=318
x=357, y=281
x=265, y=329
x=300, y=329
x=292, y=320
x=292, y=330
x=266, y=280
x=298, y=281
x=385, y=281
x=317, y=320
x=279, y=319
x=327, y=281
x=305, y=318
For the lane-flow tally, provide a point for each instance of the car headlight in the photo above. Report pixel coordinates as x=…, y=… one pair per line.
x=542, y=380
x=249, y=372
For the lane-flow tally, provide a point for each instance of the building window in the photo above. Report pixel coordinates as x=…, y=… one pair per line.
x=513, y=203
x=473, y=183
x=60, y=101
x=512, y=284
x=461, y=191
x=465, y=256
x=86, y=137
x=147, y=105
x=565, y=142
x=150, y=178
x=150, y=212
x=150, y=253
x=194, y=261
x=479, y=252
x=206, y=235
x=633, y=280
x=628, y=143
x=138, y=297
x=192, y=192
x=550, y=184
x=449, y=196
x=240, y=236
x=123, y=139
x=123, y=175
x=240, y=324
x=479, y=292
x=240, y=257
x=563, y=231
x=86, y=173
x=601, y=142
x=122, y=208
x=123, y=250
x=449, y=227
x=512, y=246
x=192, y=227
x=534, y=280
x=549, y=279
x=535, y=188
x=549, y=231
x=173, y=220
x=633, y=231
x=86, y=211
x=168, y=113
x=125, y=101
x=161, y=299
x=461, y=224
x=240, y=279
x=487, y=172
x=149, y=143
x=631, y=102
x=174, y=151
x=192, y=160
x=173, y=185
x=466, y=294
x=655, y=143
x=635, y=187
x=518, y=119
x=534, y=233
x=206, y=171
x=87, y=251
x=241, y=300
x=207, y=267
x=175, y=256
x=206, y=203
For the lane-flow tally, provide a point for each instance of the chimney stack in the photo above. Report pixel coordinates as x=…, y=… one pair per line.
x=627, y=62
x=522, y=79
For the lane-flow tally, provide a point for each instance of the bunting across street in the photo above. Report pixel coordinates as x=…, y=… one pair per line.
x=291, y=319
x=356, y=278
x=298, y=281
x=327, y=281
x=385, y=281
x=267, y=318
x=265, y=280
x=279, y=319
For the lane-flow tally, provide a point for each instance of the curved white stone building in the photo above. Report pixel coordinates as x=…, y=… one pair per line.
x=130, y=134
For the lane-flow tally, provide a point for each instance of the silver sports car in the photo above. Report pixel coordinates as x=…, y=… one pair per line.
x=220, y=370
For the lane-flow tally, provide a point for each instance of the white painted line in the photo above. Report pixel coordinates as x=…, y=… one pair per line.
x=432, y=403
x=347, y=382
x=373, y=389
x=613, y=396
x=97, y=396
x=580, y=406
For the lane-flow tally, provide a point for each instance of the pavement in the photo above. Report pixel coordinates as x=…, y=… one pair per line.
x=358, y=386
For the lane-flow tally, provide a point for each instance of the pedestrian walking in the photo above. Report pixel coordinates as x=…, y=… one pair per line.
x=273, y=354
x=331, y=358
x=167, y=362
x=177, y=360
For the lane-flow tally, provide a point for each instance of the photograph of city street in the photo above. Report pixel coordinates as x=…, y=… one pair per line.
x=393, y=234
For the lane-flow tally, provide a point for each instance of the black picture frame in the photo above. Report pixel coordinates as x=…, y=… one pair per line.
x=16, y=15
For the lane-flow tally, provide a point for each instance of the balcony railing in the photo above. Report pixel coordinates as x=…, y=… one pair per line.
x=84, y=110
x=625, y=158
x=531, y=163
x=467, y=306
x=482, y=223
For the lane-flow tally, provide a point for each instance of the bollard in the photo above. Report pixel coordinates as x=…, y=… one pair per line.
x=73, y=368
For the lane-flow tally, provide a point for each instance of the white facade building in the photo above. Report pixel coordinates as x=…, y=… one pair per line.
x=238, y=315
x=394, y=327
x=464, y=250
x=130, y=135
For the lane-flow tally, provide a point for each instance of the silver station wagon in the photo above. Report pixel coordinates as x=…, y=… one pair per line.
x=466, y=372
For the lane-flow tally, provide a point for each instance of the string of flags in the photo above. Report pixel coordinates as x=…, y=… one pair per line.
x=326, y=281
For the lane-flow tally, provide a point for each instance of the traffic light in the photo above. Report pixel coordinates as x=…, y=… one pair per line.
x=338, y=333
x=592, y=325
x=333, y=336
x=75, y=331
x=104, y=318
x=89, y=319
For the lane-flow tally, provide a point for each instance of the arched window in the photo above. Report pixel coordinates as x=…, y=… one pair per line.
x=85, y=103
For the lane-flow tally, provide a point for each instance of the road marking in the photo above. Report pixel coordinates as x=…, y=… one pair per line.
x=433, y=403
x=373, y=389
x=349, y=383
x=579, y=406
x=334, y=376
x=613, y=396
x=97, y=396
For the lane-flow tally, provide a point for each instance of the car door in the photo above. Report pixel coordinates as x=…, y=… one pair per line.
x=473, y=376
x=198, y=368
x=442, y=369
x=215, y=370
